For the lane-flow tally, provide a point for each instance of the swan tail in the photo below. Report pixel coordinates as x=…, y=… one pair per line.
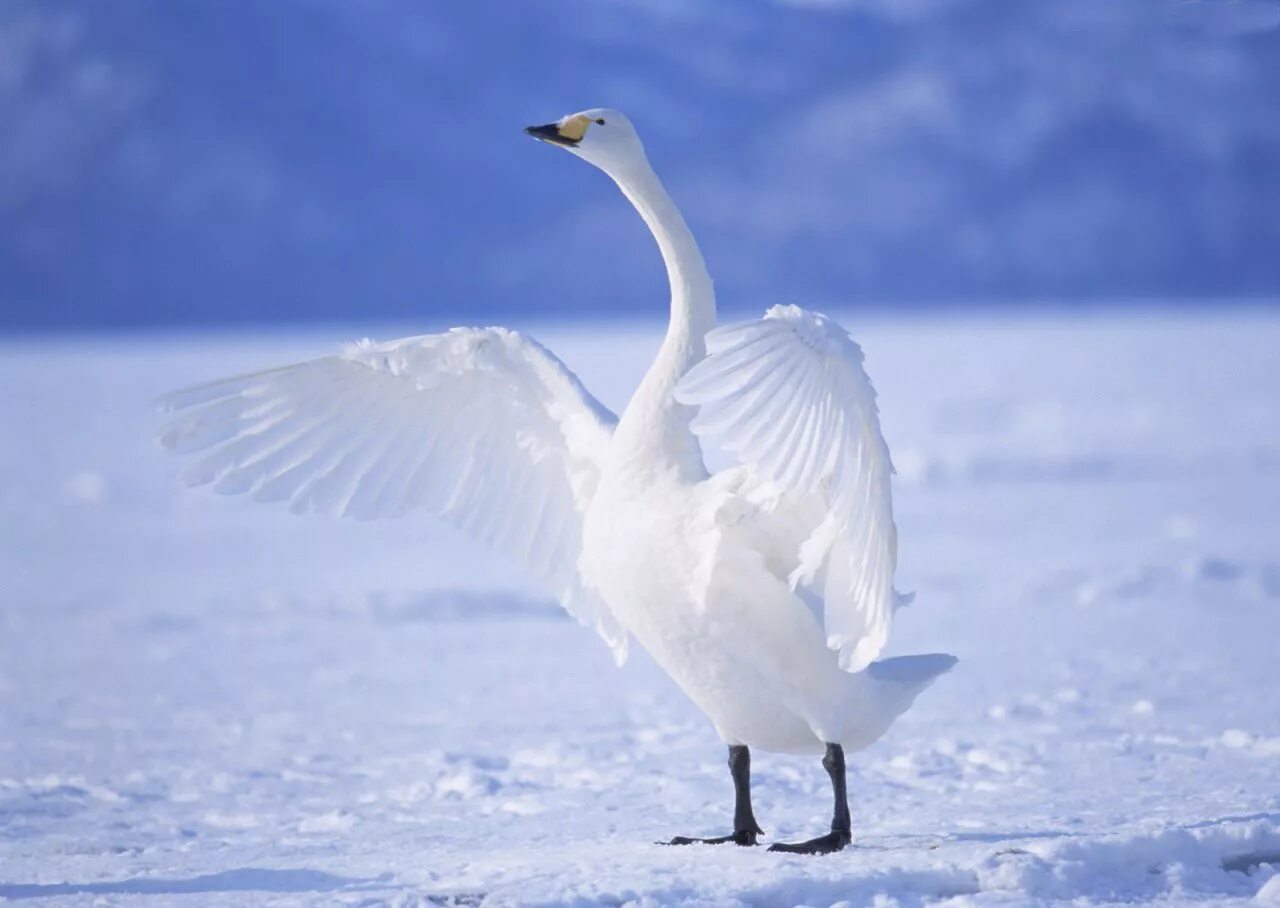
x=900, y=680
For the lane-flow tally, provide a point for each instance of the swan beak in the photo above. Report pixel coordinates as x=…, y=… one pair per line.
x=552, y=132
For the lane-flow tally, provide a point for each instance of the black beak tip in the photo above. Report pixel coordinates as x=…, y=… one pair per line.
x=549, y=132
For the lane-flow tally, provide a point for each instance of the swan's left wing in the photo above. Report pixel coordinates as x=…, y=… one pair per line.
x=482, y=426
x=789, y=396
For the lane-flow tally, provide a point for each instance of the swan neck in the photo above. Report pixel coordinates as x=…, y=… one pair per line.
x=654, y=431
x=693, y=308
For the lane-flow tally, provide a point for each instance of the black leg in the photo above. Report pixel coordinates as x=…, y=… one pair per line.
x=745, y=828
x=833, y=763
x=744, y=821
x=841, y=828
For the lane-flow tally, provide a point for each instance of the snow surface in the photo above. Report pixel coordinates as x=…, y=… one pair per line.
x=206, y=701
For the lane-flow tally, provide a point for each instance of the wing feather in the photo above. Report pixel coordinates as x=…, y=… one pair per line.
x=737, y=417
x=788, y=394
x=482, y=426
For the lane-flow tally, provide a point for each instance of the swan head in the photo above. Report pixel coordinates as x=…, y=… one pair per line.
x=599, y=136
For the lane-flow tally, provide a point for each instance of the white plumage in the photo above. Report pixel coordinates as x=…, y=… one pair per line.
x=789, y=396
x=482, y=426
x=766, y=591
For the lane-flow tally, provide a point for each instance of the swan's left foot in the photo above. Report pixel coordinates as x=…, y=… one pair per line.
x=824, y=844
x=745, y=828
x=840, y=835
x=744, y=837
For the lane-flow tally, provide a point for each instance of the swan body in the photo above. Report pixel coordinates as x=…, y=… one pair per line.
x=765, y=591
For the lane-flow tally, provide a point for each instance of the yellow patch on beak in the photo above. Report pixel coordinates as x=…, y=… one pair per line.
x=574, y=128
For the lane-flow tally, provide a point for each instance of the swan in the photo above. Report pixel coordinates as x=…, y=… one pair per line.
x=765, y=590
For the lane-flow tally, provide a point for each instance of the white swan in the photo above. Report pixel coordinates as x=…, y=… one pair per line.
x=765, y=591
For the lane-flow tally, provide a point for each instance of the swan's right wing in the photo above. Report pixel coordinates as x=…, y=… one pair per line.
x=788, y=394
x=482, y=426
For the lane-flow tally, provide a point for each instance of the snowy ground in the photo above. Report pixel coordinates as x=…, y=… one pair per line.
x=206, y=701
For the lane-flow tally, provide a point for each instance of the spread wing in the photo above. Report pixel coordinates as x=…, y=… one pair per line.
x=482, y=426
x=788, y=395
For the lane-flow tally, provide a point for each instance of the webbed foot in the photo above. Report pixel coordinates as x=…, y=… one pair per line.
x=745, y=838
x=833, y=841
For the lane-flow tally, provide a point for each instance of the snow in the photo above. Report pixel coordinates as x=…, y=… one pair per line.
x=206, y=701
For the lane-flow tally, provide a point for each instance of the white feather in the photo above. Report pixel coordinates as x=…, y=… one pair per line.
x=455, y=423
x=817, y=431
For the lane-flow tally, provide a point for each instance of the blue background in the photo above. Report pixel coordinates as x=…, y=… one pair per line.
x=176, y=163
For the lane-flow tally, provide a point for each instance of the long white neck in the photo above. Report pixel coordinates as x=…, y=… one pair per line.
x=654, y=430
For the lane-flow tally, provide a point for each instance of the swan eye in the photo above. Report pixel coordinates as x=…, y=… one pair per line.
x=600, y=121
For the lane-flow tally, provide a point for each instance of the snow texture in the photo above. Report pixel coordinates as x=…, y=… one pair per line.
x=204, y=701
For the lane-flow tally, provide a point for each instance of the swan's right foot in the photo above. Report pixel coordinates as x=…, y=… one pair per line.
x=743, y=837
x=836, y=840
x=745, y=828
x=840, y=835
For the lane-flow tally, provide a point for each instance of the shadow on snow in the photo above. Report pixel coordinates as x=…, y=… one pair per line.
x=245, y=879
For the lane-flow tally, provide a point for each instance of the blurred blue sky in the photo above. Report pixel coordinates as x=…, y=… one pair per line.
x=185, y=162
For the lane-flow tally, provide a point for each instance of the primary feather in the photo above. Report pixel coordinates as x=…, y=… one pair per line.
x=789, y=396
x=482, y=426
